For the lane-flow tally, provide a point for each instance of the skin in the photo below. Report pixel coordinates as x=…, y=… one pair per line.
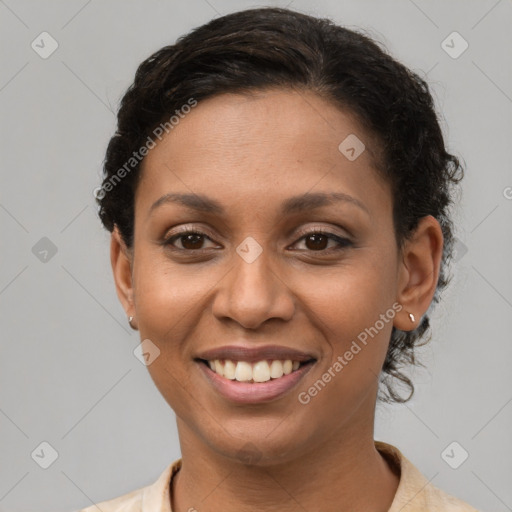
x=250, y=153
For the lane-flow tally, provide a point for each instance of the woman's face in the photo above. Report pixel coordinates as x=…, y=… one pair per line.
x=254, y=279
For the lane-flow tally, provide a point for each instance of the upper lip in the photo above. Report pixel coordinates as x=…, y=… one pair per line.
x=253, y=354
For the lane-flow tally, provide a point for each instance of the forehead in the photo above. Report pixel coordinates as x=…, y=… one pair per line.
x=267, y=144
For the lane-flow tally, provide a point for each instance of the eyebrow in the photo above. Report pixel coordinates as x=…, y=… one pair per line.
x=307, y=201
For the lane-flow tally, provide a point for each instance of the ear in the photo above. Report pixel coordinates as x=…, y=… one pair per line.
x=121, y=259
x=419, y=272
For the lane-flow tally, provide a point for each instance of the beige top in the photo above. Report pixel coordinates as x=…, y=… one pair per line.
x=414, y=493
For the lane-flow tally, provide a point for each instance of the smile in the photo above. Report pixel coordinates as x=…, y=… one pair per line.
x=251, y=390
x=260, y=371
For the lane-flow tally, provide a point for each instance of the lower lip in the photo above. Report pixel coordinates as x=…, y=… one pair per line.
x=251, y=393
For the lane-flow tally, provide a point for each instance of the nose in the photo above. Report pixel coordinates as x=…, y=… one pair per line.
x=253, y=293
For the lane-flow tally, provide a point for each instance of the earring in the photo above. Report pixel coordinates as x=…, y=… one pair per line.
x=130, y=318
x=411, y=316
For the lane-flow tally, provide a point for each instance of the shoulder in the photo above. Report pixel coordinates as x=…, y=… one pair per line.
x=415, y=493
x=129, y=502
x=144, y=499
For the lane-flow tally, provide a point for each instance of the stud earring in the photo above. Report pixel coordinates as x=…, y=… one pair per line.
x=130, y=318
x=411, y=316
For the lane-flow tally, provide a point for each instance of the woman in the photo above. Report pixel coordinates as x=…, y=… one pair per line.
x=278, y=192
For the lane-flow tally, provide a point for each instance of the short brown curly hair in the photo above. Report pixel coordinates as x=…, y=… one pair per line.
x=272, y=47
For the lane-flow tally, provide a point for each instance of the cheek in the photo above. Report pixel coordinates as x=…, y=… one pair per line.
x=167, y=297
x=354, y=311
x=349, y=298
x=168, y=303
x=357, y=327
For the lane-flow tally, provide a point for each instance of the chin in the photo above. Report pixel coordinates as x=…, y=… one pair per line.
x=260, y=446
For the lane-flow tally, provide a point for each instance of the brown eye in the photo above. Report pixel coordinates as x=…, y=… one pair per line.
x=316, y=242
x=187, y=241
x=192, y=241
x=319, y=241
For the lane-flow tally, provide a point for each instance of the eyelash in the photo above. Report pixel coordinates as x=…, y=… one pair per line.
x=342, y=242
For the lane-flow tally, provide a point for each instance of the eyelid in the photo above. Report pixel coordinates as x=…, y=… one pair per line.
x=342, y=241
x=325, y=230
x=185, y=230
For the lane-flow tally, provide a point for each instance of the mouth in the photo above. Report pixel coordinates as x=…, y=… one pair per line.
x=260, y=371
x=251, y=375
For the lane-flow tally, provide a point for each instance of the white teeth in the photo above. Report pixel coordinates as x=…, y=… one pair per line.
x=243, y=371
x=261, y=371
x=287, y=367
x=218, y=367
x=276, y=369
x=229, y=369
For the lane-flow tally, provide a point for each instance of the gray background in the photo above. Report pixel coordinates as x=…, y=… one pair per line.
x=68, y=375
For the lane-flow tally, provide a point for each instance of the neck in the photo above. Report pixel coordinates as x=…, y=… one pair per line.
x=343, y=473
